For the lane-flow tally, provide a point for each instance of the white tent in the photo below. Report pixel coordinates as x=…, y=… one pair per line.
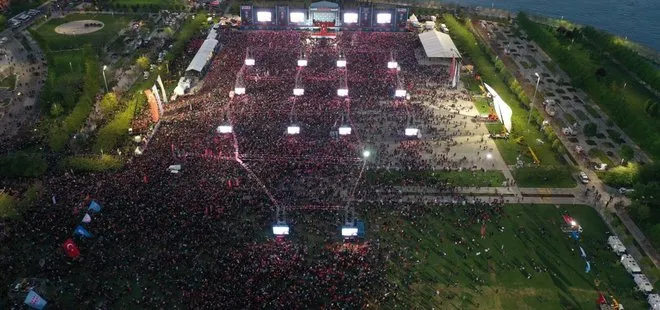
x=438, y=45
x=413, y=18
x=182, y=87
x=616, y=245
x=654, y=301
x=203, y=56
x=643, y=283
x=502, y=109
x=630, y=264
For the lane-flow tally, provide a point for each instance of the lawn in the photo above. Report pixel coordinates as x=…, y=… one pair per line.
x=482, y=105
x=433, y=270
x=50, y=40
x=488, y=178
x=544, y=176
x=9, y=82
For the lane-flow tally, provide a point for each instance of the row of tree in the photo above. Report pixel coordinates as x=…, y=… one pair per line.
x=62, y=131
x=602, y=88
x=624, y=54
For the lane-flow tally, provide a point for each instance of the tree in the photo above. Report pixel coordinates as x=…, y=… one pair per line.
x=640, y=211
x=143, y=63
x=56, y=110
x=626, y=152
x=590, y=129
x=109, y=103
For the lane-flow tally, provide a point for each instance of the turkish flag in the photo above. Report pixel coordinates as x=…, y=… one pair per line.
x=602, y=300
x=70, y=248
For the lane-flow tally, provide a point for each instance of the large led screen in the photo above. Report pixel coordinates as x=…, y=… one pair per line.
x=264, y=17
x=383, y=18
x=297, y=17
x=350, y=18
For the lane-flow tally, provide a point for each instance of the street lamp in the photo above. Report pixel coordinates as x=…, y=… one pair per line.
x=104, y=80
x=531, y=105
x=366, y=154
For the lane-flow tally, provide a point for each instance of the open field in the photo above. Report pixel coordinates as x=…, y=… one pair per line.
x=436, y=272
x=51, y=40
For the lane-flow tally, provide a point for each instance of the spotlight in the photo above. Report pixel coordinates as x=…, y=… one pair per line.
x=293, y=130
x=344, y=130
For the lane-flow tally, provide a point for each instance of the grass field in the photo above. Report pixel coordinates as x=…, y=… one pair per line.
x=147, y=2
x=488, y=178
x=50, y=40
x=544, y=177
x=434, y=271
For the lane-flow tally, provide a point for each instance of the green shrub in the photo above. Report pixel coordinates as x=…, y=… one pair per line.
x=8, y=206
x=621, y=176
x=91, y=163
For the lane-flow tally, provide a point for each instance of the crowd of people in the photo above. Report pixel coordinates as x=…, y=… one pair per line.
x=200, y=237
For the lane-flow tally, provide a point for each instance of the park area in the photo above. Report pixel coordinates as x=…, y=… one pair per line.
x=440, y=260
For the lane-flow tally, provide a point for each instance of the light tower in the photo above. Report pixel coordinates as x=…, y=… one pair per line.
x=302, y=59
x=298, y=89
x=342, y=90
x=249, y=58
x=239, y=85
x=392, y=64
x=280, y=227
x=400, y=91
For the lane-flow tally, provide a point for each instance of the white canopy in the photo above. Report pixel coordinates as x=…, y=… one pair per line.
x=438, y=45
x=616, y=244
x=654, y=301
x=204, y=54
x=413, y=18
x=502, y=109
x=642, y=283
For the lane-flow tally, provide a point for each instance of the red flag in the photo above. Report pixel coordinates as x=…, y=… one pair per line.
x=602, y=300
x=70, y=248
x=569, y=220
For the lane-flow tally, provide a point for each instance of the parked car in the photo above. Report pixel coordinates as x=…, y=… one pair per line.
x=584, y=178
x=625, y=191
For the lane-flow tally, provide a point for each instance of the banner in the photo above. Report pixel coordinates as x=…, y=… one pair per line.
x=154, y=90
x=365, y=17
x=34, y=301
x=246, y=15
x=70, y=248
x=94, y=207
x=282, y=15
x=81, y=231
x=162, y=88
x=401, y=17
x=153, y=105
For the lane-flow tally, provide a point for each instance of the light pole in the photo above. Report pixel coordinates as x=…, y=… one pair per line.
x=531, y=105
x=104, y=80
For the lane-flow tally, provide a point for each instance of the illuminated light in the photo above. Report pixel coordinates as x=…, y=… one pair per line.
x=239, y=90
x=411, y=132
x=224, y=129
x=298, y=91
x=302, y=62
x=249, y=61
x=400, y=93
x=344, y=130
x=489, y=155
x=383, y=18
x=293, y=130
x=366, y=154
x=342, y=92
x=341, y=63
x=349, y=231
x=280, y=230
x=573, y=223
x=297, y=17
x=350, y=18
x=392, y=65
x=264, y=17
